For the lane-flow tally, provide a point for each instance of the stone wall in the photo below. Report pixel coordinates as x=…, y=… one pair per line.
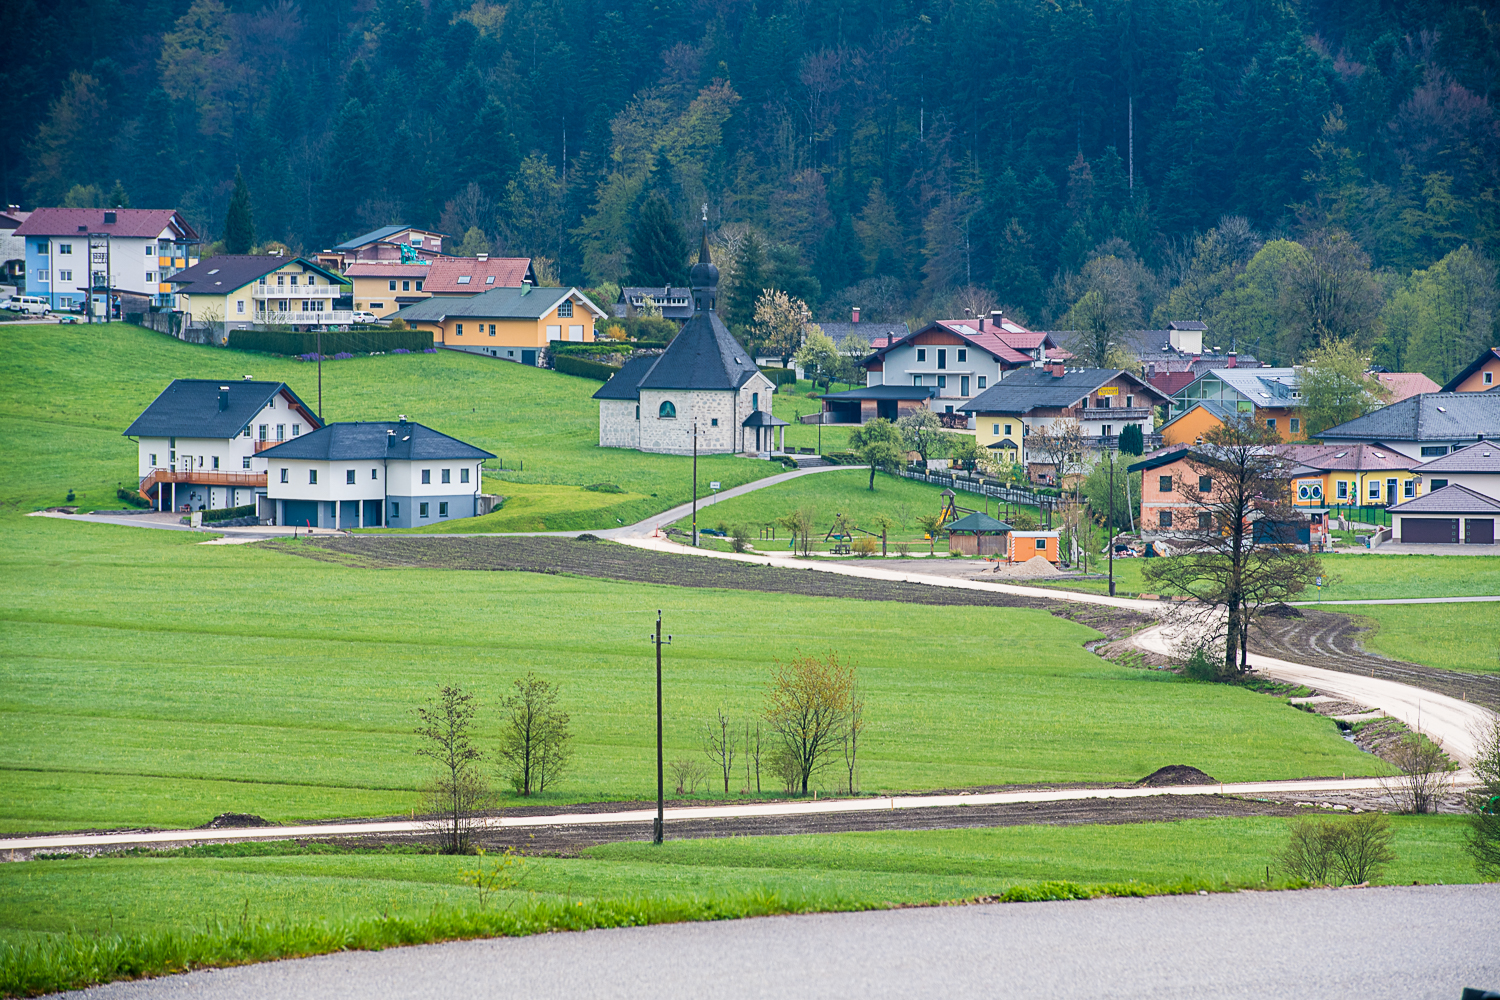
x=618, y=427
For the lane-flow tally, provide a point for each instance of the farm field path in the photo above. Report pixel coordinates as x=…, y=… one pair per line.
x=1304, y=786
x=1456, y=723
x=1263, y=944
x=1400, y=600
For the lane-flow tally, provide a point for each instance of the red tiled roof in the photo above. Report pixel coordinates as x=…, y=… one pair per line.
x=142, y=223
x=1170, y=382
x=1351, y=457
x=1405, y=384
x=444, y=273
x=385, y=269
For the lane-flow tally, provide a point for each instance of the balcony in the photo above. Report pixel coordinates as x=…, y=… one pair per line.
x=321, y=317
x=297, y=291
x=261, y=446
x=1117, y=414
x=202, y=477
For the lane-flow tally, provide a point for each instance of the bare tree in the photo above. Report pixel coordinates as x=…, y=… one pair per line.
x=1059, y=444
x=1424, y=777
x=458, y=792
x=1339, y=851
x=1109, y=305
x=853, y=731
x=535, y=743
x=1330, y=293
x=688, y=773
x=1239, y=536
x=718, y=744
x=807, y=711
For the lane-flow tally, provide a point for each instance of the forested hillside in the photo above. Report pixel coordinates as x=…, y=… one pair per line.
x=1288, y=171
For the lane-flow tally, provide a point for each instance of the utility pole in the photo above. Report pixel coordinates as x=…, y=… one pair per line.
x=1111, y=524
x=320, y=375
x=695, y=484
x=656, y=826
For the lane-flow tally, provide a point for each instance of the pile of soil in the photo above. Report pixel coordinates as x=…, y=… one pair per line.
x=613, y=561
x=1031, y=569
x=1281, y=611
x=1176, y=774
x=234, y=821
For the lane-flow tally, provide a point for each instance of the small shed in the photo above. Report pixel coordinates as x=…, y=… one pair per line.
x=978, y=535
x=1026, y=545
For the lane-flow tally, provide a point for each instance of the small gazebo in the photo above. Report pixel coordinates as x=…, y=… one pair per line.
x=978, y=534
x=763, y=421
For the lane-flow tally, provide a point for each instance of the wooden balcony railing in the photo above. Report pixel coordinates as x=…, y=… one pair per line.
x=201, y=477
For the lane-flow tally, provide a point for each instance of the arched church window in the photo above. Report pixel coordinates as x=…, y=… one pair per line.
x=667, y=409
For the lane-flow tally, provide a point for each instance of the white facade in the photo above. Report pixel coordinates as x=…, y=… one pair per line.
x=957, y=371
x=667, y=417
x=404, y=493
x=133, y=264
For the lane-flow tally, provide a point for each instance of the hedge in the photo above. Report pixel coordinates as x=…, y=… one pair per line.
x=586, y=369
x=780, y=376
x=228, y=513
x=351, y=341
x=584, y=350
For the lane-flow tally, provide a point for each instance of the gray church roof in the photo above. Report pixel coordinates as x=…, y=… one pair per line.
x=704, y=355
x=374, y=440
x=191, y=407
x=626, y=383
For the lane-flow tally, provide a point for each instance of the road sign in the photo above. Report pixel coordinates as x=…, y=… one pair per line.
x=713, y=486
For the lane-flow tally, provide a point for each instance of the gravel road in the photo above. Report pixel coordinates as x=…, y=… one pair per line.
x=1401, y=942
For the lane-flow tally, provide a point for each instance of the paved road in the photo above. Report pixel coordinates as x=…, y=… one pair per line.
x=1410, y=943
x=1282, y=790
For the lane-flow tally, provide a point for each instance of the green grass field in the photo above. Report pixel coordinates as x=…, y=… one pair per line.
x=148, y=679
x=1349, y=577
x=129, y=895
x=71, y=391
x=1449, y=636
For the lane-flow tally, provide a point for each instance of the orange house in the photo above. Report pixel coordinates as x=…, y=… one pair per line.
x=513, y=324
x=1480, y=376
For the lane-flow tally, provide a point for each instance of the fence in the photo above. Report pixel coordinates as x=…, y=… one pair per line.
x=984, y=487
x=1378, y=516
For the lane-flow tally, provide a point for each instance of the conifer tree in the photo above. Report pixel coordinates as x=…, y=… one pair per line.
x=658, y=249
x=239, y=224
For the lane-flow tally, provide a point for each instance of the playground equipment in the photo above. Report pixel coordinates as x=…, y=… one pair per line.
x=841, y=534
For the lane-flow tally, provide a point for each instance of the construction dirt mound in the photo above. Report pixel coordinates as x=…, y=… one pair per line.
x=1281, y=611
x=1031, y=569
x=231, y=821
x=1176, y=774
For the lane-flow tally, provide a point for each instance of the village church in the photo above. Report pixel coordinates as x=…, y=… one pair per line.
x=705, y=380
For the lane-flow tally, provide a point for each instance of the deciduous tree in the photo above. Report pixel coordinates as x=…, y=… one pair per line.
x=535, y=741
x=879, y=444
x=458, y=791
x=807, y=711
x=1336, y=388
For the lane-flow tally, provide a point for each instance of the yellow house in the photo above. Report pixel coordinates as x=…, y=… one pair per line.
x=514, y=324
x=1353, y=475
x=382, y=287
x=242, y=290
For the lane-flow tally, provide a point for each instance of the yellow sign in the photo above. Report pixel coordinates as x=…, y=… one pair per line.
x=1110, y=390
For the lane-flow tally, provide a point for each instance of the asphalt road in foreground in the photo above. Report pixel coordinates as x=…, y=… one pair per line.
x=1398, y=942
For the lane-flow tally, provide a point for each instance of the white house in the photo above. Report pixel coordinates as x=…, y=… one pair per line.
x=1426, y=426
x=704, y=383
x=370, y=473
x=244, y=290
x=199, y=442
x=128, y=250
x=1476, y=467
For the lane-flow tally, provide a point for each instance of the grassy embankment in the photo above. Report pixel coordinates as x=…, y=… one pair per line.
x=71, y=391
x=70, y=922
x=1449, y=636
x=152, y=680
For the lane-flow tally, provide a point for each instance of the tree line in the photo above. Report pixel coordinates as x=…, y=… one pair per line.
x=1079, y=175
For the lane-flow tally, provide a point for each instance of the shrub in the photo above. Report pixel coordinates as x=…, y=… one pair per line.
x=400, y=350
x=1338, y=851
x=604, y=488
x=132, y=497
x=582, y=367
x=842, y=458
x=1483, y=838
x=739, y=539
x=342, y=356
x=356, y=341
x=1025, y=520
x=1423, y=780
x=780, y=376
x=865, y=546
x=228, y=513
x=1203, y=665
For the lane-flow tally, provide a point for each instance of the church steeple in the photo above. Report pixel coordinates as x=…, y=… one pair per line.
x=704, y=276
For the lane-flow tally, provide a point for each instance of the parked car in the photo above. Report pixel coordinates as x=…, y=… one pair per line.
x=364, y=317
x=31, y=305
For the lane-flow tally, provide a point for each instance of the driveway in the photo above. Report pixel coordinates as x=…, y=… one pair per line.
x=1396, y=943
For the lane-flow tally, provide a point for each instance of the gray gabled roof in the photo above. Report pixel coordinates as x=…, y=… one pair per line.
x=1428, y=416
x=525, y=302
x=872, y=332
x=189, y=407
x=625, y=383
x=375, y=236
x=979, y=522
x=1450, y=500
x=1027, y=389
x=375, y=440
x=223, y=274
x=704, y=355
x=1481, y=457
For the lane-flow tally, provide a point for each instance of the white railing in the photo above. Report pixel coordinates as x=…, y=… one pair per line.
x=321, y=317
x=298, y=291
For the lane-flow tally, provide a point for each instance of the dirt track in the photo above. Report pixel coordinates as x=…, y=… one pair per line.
x=1331, y=641
x=612, y=561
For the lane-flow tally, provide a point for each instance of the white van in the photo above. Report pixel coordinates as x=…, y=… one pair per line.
x=31, y=305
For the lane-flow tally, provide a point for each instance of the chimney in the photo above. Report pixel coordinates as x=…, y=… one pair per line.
x=996, y=317
x=981, y=324
x=403, y=418
x=223, y=398
x=1058, y=369
x=1234, y=360
x=855, y=318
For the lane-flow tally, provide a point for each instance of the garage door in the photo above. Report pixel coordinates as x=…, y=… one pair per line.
x=1429, y=529
x=300, y=512
x=1479, y=530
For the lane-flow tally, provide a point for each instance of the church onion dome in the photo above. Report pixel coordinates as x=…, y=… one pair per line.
x=704, y=277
